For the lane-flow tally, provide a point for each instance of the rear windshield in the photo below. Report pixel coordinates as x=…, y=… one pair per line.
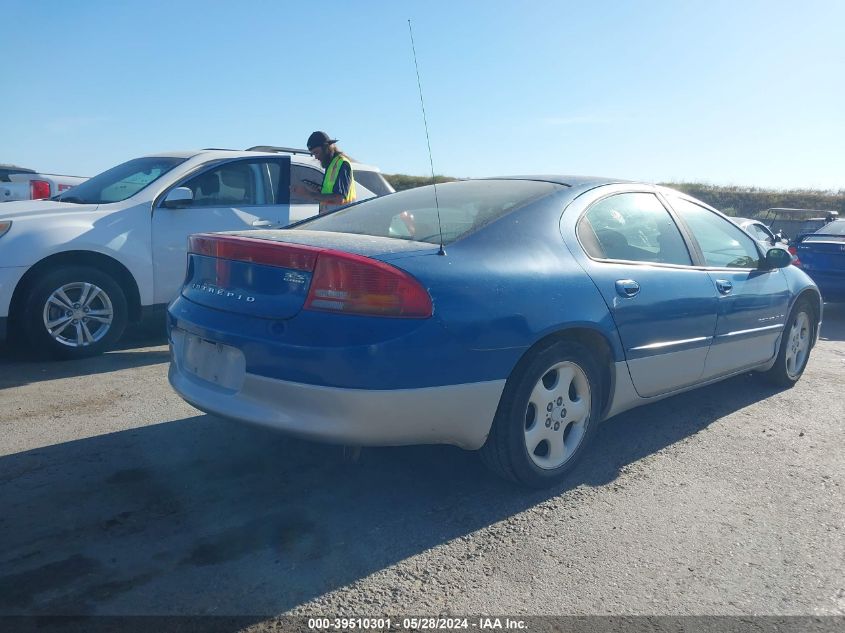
x=412, y=214
x=836, y=227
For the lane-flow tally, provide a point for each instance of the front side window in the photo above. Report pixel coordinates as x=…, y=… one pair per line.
x=228, y=185
x=464, y=207
x=723, y=244
x=120, y=182
x=632, y=227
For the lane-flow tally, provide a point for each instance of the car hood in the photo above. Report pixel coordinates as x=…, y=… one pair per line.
x=35, y=208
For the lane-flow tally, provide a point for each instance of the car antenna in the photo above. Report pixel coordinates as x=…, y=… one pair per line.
x=427, y=140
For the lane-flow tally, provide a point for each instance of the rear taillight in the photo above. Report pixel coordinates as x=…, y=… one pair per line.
x=341, y=282
x=794, y=252
x=353, y=284
x=249, y=249
x=39, y=189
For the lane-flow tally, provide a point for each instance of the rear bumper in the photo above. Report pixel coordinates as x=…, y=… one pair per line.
x=460, y=415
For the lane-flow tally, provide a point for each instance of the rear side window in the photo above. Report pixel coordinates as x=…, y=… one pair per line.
x=723, y=244
x=412, y=214
x=760, y=232
x=373, y=181
x=298, y=175
x=632, y=227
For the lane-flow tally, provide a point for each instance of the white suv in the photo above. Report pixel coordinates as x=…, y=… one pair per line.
x=76, y=268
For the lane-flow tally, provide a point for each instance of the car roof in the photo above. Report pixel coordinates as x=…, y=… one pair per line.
x=566, y=181
x=220, y=154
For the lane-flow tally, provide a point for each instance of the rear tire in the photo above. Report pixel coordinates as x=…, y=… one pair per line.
x=74, y=312
x=795, y=346
x=547, y=416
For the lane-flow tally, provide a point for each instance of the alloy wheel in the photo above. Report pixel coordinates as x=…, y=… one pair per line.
x=78, y=314
x=557, y=414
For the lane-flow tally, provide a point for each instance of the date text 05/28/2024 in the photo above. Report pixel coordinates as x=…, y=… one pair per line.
x=415, y=624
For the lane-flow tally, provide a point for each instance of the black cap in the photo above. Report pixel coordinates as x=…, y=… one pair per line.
x=318, y=139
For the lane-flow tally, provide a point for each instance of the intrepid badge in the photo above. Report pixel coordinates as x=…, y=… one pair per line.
x=223, y=292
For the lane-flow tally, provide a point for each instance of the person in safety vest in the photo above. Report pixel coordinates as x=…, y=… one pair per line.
x=338, y=186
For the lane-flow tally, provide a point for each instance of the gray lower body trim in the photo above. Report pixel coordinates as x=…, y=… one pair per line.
x=453, y=414
x=625, y=396
x=743, y=350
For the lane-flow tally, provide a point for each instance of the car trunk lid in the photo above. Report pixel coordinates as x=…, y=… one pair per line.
x=822, y=252
x=274, y=275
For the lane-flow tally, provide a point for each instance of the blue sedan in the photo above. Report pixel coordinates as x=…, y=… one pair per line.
x=822, y=256
x=509, y=315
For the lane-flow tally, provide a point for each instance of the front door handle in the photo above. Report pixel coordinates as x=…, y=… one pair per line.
x=627, y=288
x=724, y=286
x=261, y=223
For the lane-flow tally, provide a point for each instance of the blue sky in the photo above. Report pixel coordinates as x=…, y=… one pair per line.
x=744, y=93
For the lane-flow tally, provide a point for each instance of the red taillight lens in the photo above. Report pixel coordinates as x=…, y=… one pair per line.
x=39, y=189
x=248, y=249
x=352, y=284
x=794, y=252
x=341, y=282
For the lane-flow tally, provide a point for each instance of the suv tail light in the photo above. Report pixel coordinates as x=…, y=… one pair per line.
x=341, y=282
x=794, y=252
x=39, y=189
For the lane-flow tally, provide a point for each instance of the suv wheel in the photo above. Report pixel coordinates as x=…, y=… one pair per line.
x=74, y=312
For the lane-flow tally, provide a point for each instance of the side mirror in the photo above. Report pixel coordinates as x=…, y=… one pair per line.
x=777, y=257
x=178, y=198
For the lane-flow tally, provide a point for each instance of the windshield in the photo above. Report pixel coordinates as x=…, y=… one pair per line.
x=412, y=214
x=121, y=182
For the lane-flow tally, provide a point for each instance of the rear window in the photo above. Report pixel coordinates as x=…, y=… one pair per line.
x=464, y=206
x=836, y=227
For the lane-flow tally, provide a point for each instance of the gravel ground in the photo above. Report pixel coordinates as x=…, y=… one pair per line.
x=118, y=498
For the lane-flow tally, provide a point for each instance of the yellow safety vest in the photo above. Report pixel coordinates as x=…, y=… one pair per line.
x=330, y=178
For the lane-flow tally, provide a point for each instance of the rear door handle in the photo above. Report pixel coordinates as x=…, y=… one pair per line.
x=724, y=286
x=627, y=288
x=261, y=223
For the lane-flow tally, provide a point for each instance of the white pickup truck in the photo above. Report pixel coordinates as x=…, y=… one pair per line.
x=20, y=183
x=76, y=268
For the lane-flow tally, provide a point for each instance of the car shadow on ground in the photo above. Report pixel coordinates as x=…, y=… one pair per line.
x=19, y=366
x=833, y=322
x=206, y=516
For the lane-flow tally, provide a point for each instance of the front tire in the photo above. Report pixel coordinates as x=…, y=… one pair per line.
x=795, y=345
x=74, y=312
x=547, y=415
